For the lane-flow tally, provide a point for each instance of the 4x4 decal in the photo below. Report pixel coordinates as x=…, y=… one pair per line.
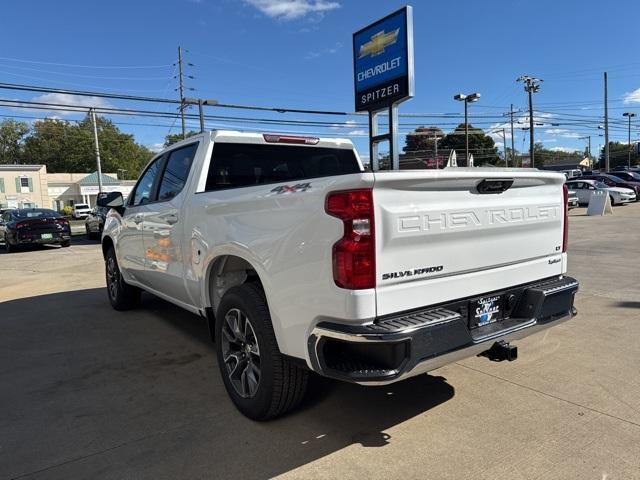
x=300, y=187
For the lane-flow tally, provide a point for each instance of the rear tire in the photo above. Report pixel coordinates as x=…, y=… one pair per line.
x=65, y=243
x=8, y=247
x=262, y=383
x=121, y=295
x=89, y=233
x=612, y=200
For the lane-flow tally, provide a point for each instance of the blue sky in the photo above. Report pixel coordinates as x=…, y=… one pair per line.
x=297, y=54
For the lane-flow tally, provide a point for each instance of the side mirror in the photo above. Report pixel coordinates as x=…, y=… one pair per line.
x=110, y=200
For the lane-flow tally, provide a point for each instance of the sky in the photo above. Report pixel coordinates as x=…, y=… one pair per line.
x=297, y=54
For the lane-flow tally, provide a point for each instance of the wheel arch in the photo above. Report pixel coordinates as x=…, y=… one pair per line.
x=107, y=243
x=224, y=272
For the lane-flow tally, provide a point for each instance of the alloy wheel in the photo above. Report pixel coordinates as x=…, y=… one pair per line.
x=112, y=277
x=240, y=353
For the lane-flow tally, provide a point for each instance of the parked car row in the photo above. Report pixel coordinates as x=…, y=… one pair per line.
x=584, y=188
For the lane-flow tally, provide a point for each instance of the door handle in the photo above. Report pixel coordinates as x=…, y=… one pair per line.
x=171, y=218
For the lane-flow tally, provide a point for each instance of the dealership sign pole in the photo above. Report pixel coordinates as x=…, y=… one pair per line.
x=383, y=76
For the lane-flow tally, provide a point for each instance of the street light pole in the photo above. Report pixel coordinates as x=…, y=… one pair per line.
x=629, y=115
x=531, y=86
x=587, y=137
x=466, y=133
x=472, y=97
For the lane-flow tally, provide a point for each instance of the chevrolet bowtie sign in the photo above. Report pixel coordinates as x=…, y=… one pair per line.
x=383, y=61
x=378, y=42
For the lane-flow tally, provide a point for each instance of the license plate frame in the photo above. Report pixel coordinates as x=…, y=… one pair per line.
x=46, y=236
x=486, y=310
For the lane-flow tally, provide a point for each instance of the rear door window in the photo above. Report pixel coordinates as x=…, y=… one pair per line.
x=176, y=172
x=236, y=165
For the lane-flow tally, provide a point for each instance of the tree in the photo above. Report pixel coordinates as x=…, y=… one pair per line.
x=619, y=155
x=422, y=139
x=172, y=138
x=12, y=136
x=65, y=146
x=481, y=146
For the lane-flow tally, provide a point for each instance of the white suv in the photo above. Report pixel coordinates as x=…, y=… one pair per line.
x=81, y=210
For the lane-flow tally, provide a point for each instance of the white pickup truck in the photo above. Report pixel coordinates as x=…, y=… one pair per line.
x=301, y=260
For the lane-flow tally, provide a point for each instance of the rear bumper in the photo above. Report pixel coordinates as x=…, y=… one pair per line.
x=400, y=346
x=36, y=239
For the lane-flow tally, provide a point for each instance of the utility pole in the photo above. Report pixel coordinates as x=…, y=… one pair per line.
x=95, y=137
x=513, y=149
x=606, y=126
x=435, y=146
x=504, y=142
x=630, y=115
x=531, y=86
x=181, y=87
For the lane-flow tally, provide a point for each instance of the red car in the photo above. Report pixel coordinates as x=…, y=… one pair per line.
x=34, y=226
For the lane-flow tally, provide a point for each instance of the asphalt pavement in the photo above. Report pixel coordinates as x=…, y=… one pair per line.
x=87, y=392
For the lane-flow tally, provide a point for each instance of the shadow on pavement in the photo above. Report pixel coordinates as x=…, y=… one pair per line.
x=628, y=304
x=93, y=393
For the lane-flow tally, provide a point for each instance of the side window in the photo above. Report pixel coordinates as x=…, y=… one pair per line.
x=176, y=172
x=144, y=188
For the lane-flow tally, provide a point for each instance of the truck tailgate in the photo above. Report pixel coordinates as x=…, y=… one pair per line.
x=439, y=239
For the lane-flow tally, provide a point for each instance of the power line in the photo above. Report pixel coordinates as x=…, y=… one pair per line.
x=85, y=66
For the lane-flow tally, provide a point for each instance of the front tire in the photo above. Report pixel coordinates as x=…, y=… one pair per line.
x=65, y=243
x=121, y=295
x=262, y=383
x=613, y=202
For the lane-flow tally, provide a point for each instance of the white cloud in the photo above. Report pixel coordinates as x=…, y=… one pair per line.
x=292, y=9
x=570, y=135
x=632, y=97
x=563, y=149
x=79, y=103
x=358, y=133
x=555, y=131
x=347, y=124
x=326, y=51
x=156, y=147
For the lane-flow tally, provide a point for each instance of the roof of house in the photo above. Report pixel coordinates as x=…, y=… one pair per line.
x=92, y=179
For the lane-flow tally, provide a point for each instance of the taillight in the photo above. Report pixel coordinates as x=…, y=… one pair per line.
x=565, y=235
x=354, y=255
x=20, y=225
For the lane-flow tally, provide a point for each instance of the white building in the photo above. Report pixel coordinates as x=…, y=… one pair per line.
x=30, y=186
x=67, y=189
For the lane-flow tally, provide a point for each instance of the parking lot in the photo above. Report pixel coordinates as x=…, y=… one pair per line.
x=88, y=392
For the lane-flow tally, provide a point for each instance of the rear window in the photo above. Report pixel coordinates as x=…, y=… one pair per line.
x=35, y=213
x=241, y=165
x=81, y=205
